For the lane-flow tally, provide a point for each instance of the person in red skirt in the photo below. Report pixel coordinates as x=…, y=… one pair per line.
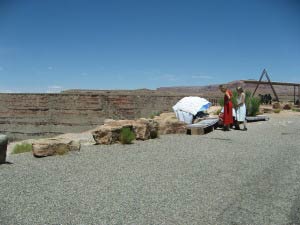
x=227, y=117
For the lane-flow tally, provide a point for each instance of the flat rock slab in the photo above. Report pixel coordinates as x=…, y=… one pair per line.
x=54, y=146
x=257, y=118
x=202, y=127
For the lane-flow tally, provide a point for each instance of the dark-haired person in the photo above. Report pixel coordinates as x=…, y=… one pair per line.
x=227, y=117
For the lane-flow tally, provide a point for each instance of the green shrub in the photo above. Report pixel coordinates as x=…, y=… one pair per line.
x=154, y=114
x=234, y=98
x=221, y=102
x=21, y=148
x=276, y=110
x=248, y=96
x=253, y=106
x=127, y=135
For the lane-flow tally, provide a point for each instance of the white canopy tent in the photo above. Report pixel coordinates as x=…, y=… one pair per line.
x=188, y=107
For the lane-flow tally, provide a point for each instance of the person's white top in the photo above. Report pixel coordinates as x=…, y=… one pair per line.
x=241, y=110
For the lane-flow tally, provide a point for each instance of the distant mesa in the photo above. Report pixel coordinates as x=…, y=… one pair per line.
x=211, y=90
x=284, y=92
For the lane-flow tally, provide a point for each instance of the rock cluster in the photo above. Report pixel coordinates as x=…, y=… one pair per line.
x=110, y=132
x=165, y=123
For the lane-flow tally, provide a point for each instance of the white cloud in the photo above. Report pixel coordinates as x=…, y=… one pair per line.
x=54, y=89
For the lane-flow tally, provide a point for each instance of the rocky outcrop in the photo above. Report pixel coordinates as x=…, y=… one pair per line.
x=3, y=148
x=110, y=132
x=169, y=124
x=54, y=146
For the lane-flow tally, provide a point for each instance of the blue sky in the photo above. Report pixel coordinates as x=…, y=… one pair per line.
x=48, y=45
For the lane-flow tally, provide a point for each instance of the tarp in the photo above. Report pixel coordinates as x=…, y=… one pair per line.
x=188, y=107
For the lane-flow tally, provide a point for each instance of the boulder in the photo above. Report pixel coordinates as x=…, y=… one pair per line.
x=3, y=148
x=145, y=129
x=110, y=132
x=169, y=124
x=84, y=138
x=106, y=134
x=54, y=146
x=276, y=105
x=287, y=107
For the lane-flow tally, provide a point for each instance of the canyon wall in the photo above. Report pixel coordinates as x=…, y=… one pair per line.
x=24, y=116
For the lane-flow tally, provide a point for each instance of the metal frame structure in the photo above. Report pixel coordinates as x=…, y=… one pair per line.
x=260, y=81
x=269, y=82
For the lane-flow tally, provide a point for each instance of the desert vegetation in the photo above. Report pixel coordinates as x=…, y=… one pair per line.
x=127, y=135
x=154, y=114
x=21, y=148
x=252, y=104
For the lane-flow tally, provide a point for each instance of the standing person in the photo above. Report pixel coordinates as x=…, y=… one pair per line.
x=241, y=107
x=227, y=119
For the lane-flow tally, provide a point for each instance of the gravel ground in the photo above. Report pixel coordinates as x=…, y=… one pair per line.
x=231, y=177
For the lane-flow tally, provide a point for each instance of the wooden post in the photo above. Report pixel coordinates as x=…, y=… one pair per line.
x=269, y=81
x=261, y=76
x=274, y=92
x=295, y=94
